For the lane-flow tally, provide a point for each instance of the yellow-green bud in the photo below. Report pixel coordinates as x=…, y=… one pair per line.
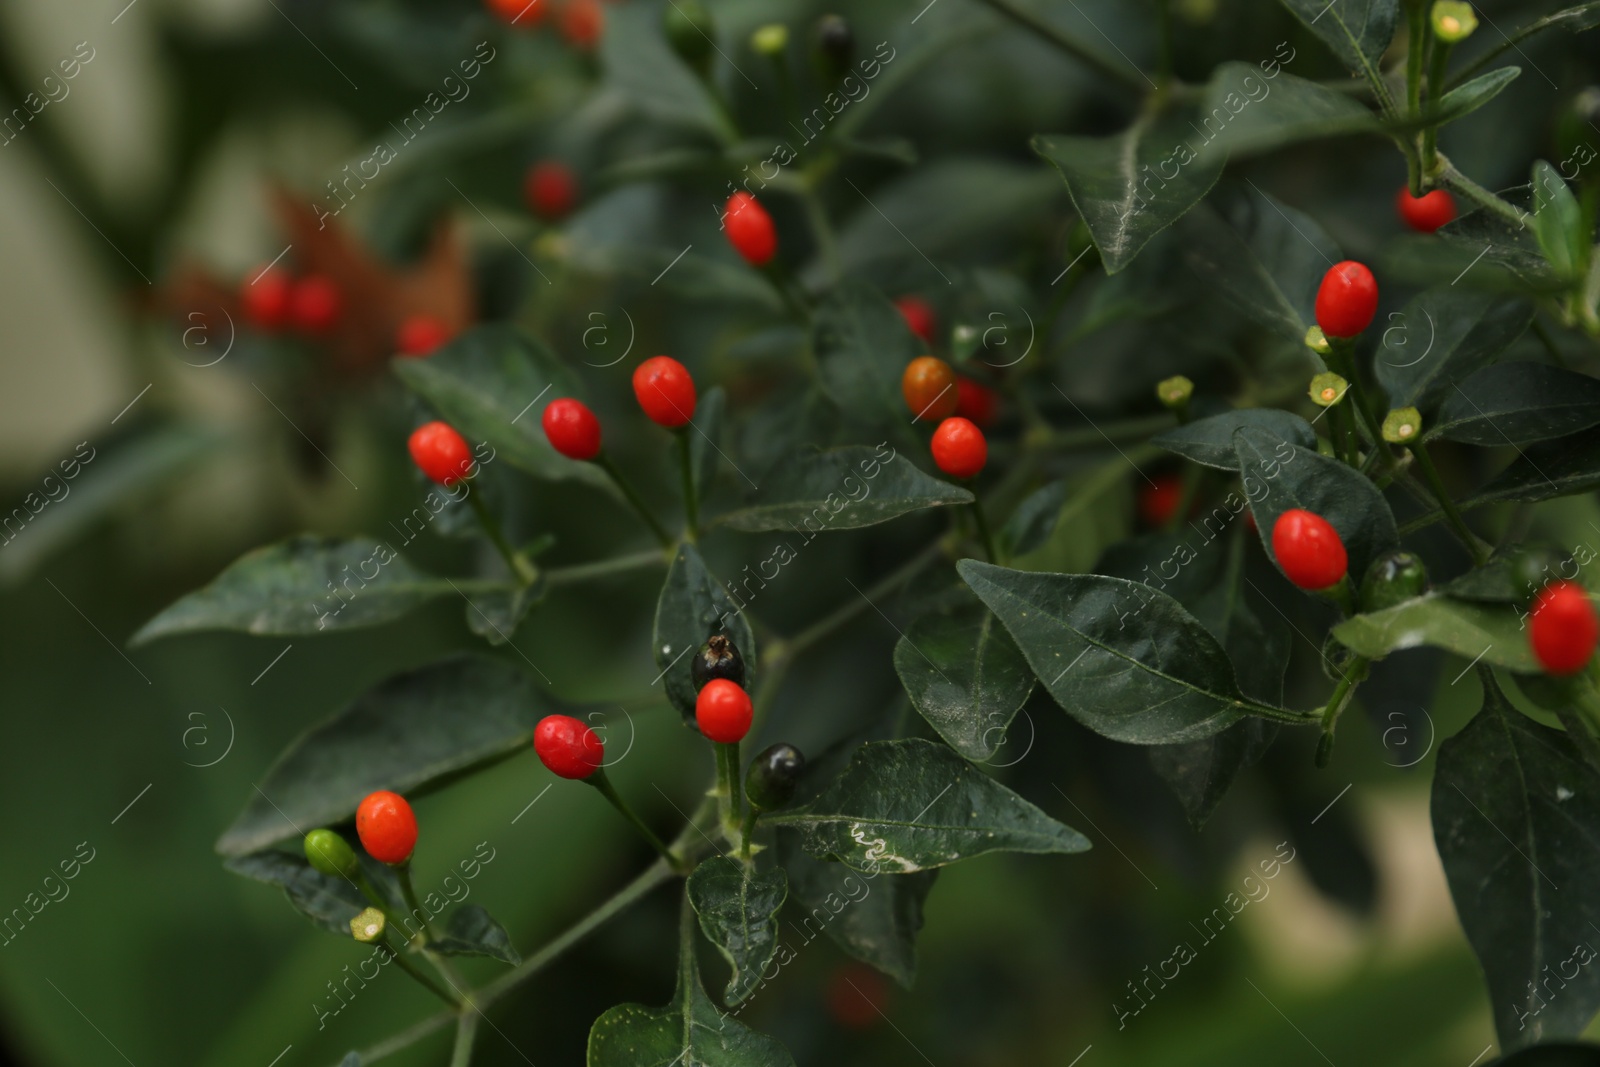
x=1327, y=389
x=771, y=40
x=1175, y=392
x=331, y=854
x=1453, y=21
x=1317, y=341
x=368, y=926
x=1402, y=426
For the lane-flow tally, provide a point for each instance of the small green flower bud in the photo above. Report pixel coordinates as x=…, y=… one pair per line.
x=1402, y=426
x=1175, y=392
x=771, y=40
x=331, y=854
x=965, y=340
x=1453, y=20
x=773, y=776
x=1392, y=578
x=368, y=926
x=1317, y=341
x=1327, y=390
x=691, y=32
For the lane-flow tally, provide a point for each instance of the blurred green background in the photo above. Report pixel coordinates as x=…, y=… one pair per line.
x=163, y=155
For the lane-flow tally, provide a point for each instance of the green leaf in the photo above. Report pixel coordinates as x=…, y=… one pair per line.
x=1442, y=336
x=492, y=384
x=1496, y=582
x=1293, y=477
x=410, y=733
x=1263, y=258
x=1518, y=403
x=738, y=911
x=1516, y=817
x=1358, y=31
x=1209, y=441
x=640, y=67
x=874, y=916
x=1543, y=471
x=1465, y=99
x=1481, y=633
x=328, y=901
x=472, y=931
x=705, y=440
x=694, y=605
x=1121, y=657
x=304, y=585
x=813, y=490
x=1245, y=112
x=1131, y=186
x=1033, y=519
x=1558, y=222
x=862, y=347
x=912, y=805
x=689, y=1030
x=495, y=615
x=964, y=674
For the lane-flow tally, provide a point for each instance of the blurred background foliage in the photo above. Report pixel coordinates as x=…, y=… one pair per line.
x=160, y=166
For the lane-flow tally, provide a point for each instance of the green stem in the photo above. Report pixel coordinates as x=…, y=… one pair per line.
x=603, y=461
x=834, y=620
x=691, y=503
x=984, y=534
x=524, y=571
x=422, y=979
x=1342, y=350
x=402, y=874
x=1440, y=493
x=1416, y=57
x=747, y=833
x=601, y=782
x=1430, y=134
x=1164, y=37
x=466, y=1032
x=1470, y=189
x=822, y=231
x=1124, y=76
x=1353, y=676
x=728, y=795
x=1344, y=434
x=582, y=572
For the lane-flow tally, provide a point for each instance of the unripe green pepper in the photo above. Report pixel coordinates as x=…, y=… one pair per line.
x=331, y=854
x=1393, y=578
x=773, y=776
x=833, y=47
x=691, y=32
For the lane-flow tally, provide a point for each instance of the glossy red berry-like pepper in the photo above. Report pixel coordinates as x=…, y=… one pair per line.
x=749, y=229
x=316, y=304
x=1563, y=628
x=420, y=335
x=1425, y=213
x=1347, y=299
x=387, y=827
x=572, y=428
x=1309, y=549
x=976, y=401
x=266, y=297
x=929, y=387
x=551, y=189
x=568, y=747
x=523, y=14
x=665, y=390
x=1158, y=502
x=919, y=316
x=440, y=452
x=723, y=711
x=959, y=448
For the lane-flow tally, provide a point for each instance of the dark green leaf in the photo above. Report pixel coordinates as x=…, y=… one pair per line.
x=1209, y=441
x=863, y=346
x=328, y=901
x=645, y=72
x=841, y=489
x=304, y=585
x=1518, y=403
x=911, y=805
x=1481, y=633
x=1121, y=657
x=693, y=606
x=689, y=1030
x=1516, y=817
x=705, y=439
x=1033, y=519
x=1558, y=222
x=1441, y=337
x=1496, y=582
x=1245, y=112
x=1543, y=471
x=406, y=734
x=1465, y=99
x=472, y=931
x=492, y=384
x=1121, y=185
x=495, y=615
x=872, y=916
x=964, y=674
x=1293, y=477
x=1263, y=258
x=1358, y=31
x=738, y=911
